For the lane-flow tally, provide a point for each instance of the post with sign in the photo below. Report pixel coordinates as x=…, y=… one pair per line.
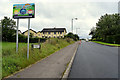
x=21, y=11
x=17, y=36
x=28, y=38
x=35, y=46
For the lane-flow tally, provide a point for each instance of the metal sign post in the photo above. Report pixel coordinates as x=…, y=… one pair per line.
x=23, y=11
x=28, y=38
x=17, y=36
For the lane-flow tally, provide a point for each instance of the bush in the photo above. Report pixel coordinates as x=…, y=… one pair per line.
x=113, y=39
x=52, y=41
x=73, y=36
x=68, y=40
x=22, y=38
x=110, y=39
x=117, y=38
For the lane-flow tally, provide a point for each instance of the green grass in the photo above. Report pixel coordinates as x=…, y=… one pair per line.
x=106, y=43
x=12, y=62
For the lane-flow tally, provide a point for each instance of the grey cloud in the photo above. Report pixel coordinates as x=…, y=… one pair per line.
x=61, y=14
x=55, y=14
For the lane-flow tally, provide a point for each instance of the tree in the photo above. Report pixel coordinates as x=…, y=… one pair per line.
x=73, y=36
x=76, y=37
x=107, y=28
x=8, y=29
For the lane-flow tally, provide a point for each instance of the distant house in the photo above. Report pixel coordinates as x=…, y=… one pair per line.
x=48, y=33
x=19, y=32
x=53, y=32
x=39, y=34
x=32, y=32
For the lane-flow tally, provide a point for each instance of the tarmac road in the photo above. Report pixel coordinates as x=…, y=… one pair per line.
x=93, y=60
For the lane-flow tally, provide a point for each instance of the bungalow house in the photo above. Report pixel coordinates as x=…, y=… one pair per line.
x=53, y=32
x=32, y=32
x=48, y=33
x=19, y=32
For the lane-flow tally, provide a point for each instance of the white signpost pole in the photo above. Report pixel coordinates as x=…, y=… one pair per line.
x=28, y=38
x=21, y=11
x=17, y=36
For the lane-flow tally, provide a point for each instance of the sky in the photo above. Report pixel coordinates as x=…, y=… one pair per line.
x=59, y=13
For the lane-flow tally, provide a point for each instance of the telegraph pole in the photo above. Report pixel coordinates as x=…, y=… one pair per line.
x=72, y=23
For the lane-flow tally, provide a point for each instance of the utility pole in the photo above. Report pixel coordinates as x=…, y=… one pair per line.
x=72, y=23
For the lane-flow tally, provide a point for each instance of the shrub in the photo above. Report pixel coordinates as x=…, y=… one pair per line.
x=68, y=40
x=73, y=36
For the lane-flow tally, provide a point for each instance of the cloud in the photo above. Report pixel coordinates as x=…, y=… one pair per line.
x=56, y=13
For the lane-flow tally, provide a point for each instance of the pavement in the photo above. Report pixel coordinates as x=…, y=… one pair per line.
x=50, y=67
x=93, y=60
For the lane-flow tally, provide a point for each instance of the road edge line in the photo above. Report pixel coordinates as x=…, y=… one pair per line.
x=67, y=71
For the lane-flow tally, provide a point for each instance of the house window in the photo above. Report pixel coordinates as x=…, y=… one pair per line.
x=60, y=32
x=48, y=32
x=54, y=32
x=38, y=34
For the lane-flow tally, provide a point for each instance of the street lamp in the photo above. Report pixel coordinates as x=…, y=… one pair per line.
x=72, y=23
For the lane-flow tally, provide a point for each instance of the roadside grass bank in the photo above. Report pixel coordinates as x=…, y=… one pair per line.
x=109, y=44
x=12, y=61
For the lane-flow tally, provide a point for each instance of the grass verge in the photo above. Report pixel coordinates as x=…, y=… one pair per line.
x=12, y=62
x=109, y=44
